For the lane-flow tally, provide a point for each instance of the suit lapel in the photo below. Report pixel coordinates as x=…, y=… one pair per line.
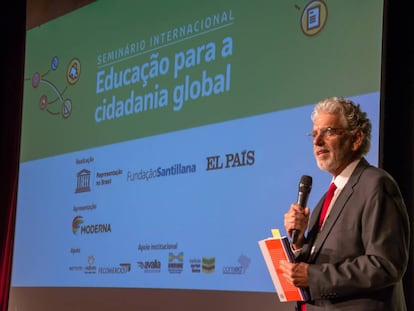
x=330, y=221
x=318, y=239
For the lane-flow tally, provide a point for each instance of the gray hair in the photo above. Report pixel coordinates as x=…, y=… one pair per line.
x=352, y=118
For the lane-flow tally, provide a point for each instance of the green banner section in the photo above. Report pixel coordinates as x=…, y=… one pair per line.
x=119, y=70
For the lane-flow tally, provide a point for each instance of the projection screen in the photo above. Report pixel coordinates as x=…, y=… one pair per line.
x=161, y=140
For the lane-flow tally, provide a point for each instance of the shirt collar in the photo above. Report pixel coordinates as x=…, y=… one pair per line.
x=341, y=180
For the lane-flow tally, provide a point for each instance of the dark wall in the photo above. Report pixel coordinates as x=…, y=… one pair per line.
x=12, y=25
x=398, y=112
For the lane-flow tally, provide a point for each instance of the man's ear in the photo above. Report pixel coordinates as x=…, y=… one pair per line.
x=357, y=140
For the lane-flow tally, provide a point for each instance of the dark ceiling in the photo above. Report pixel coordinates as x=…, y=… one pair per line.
x=39, y=12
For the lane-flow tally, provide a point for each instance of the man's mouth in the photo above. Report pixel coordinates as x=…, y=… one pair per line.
x=321, y=152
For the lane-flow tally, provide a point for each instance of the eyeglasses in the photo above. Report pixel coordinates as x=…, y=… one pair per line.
x=327, y=132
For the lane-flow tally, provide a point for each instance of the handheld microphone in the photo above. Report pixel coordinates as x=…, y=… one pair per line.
x=305, y=186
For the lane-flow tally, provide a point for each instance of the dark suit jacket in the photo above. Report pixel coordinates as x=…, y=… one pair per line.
x=361, y=254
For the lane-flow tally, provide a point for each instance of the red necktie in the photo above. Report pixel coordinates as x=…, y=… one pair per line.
x=326, y=203
x=302, y=307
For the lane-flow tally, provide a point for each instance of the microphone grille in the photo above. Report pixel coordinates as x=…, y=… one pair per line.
x=305, y=183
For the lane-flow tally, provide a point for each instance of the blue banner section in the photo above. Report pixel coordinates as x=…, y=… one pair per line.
x=178, y=210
